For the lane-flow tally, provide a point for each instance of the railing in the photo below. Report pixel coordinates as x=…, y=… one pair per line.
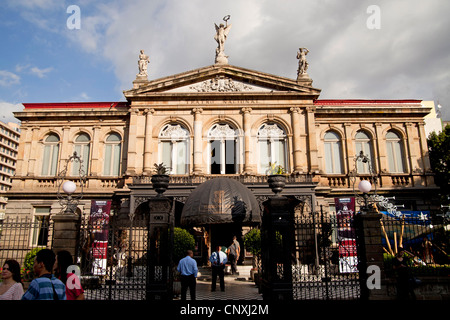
x=246, y=179
x=20, y=237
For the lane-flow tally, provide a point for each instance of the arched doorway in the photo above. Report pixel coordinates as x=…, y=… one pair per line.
x=222, y=207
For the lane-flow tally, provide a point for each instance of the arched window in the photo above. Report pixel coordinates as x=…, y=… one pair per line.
x=82, y=148
x=112, y=155
x=222, y=149
x=333, y=153
x=173, y=147
x=363, y=143
x=272, y=146
x=395, y=152
x=51, y=154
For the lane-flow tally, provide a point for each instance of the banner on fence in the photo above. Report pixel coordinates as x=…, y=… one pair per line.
x=345, y=212
x=99, y=220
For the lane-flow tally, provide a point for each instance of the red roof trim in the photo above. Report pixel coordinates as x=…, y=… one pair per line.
x=75, y=105
x=361, y=101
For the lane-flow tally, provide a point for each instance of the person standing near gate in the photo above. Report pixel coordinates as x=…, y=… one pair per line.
x=46, y=286
x=218, y=260
x=234, y=251
x=189, y=270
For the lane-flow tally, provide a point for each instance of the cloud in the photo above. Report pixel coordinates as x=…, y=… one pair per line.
x=7, y=109
x=406, y=58
x=41, y=73
x=8, y=78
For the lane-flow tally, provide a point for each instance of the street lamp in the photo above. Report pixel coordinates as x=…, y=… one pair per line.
x=364, y=186
x=68, y=199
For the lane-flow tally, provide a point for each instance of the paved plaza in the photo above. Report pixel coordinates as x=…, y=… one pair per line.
x=237, y=287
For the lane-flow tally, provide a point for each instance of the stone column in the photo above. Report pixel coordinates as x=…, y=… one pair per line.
x=148, y=141
x=34, y=149
x=370, y=255
x=411, y=155
x=247, y=138
x=313, y=152
x=295, y=118
x=198, y=152
x=65, y=232
x=132, y=142
x=95, y=168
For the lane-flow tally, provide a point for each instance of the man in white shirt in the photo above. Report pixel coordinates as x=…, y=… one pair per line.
x=218, y=260
x=189, y=270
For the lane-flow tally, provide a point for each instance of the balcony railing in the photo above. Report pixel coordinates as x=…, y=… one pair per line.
x=245, y=179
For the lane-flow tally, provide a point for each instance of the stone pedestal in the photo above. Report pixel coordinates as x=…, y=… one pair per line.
x=65, y=232
x=140, y=80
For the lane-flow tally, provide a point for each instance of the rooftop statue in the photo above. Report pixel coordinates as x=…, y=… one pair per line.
x=142, y=63
x=302, y=64
x=221, y=37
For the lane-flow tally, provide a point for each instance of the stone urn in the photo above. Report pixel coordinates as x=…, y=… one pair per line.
x=276, y=182
x=160, y=183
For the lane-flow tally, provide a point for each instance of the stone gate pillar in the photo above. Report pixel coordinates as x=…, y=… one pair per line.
x=370, y=255
x=278, y=247
x=159, y=284
x=65, y=232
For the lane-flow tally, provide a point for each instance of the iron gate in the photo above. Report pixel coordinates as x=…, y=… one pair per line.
x=113, y=257
x=326, y=260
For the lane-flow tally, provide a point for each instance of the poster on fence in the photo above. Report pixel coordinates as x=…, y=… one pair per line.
x=345, y=212
x=99, y=220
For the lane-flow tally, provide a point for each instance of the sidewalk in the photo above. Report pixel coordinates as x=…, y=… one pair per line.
x=237, y=287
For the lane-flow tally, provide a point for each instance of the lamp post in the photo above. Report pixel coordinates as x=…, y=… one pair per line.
x=68, y=199
x=364, y=186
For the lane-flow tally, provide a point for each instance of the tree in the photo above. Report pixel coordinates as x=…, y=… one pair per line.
x=183, y=241
x=439, y=153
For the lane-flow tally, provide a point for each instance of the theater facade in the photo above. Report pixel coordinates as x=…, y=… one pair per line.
x=220, y=121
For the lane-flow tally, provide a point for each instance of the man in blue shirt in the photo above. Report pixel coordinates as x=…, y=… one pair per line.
x=188, y=269
x=46, y=286
x=218, y=260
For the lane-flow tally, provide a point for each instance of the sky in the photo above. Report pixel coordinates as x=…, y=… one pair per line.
x=76, y=51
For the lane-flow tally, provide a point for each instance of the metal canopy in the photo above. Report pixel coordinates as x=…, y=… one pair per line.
x=221, y=200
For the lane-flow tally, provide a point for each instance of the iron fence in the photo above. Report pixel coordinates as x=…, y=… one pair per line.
x=113, y=258
x=325, y=258
x=22, y=237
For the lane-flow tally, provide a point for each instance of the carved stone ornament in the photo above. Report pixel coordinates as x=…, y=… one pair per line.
x=271, y=131
x=174, y=132
x=221, y=131
x=221, y=84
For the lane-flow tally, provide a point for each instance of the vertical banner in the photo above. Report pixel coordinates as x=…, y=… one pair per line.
x=346, y=236
x=99, y=221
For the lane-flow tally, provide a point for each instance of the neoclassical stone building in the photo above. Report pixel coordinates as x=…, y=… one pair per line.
x=221, y=121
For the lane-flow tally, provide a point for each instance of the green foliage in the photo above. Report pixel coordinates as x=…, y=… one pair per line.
x=438, y=147
x=161, y=168
x=275, y=169
x=28, y=263
x=182, y=241
x=252, y=242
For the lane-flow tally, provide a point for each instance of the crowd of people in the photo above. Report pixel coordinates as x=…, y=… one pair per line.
x=54, y=279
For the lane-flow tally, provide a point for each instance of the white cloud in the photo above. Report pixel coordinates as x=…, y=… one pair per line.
x=41, y=73
x=8, y=78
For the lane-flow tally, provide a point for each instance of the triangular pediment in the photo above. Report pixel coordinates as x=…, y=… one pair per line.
x=221, y=79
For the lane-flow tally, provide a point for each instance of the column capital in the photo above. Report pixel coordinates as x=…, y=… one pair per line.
x=149, y=111
x=295, y=109
x=197, y=110
x=246, y=110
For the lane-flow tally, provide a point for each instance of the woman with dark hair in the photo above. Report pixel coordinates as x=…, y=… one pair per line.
x=11, y=287
x=64, y=260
